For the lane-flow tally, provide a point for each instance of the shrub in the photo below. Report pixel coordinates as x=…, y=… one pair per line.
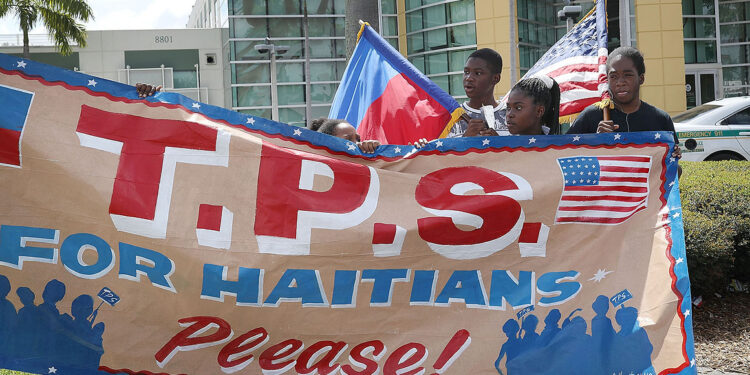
x=716, y=212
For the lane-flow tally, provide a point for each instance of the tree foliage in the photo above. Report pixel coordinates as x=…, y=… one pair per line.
x=60, y=18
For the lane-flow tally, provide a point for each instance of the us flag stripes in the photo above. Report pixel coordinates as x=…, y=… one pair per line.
x=603, y=189
x=578, y=63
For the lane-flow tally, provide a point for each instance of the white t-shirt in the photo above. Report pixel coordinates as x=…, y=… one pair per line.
x=460, y=127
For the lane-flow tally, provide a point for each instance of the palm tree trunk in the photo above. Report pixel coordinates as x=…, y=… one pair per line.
x=26, y=52
x=365, y=10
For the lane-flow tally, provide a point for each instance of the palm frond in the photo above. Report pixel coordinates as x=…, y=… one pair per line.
x=63, y=28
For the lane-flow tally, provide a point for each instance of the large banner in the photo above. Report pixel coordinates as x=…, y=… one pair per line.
x=167, y=236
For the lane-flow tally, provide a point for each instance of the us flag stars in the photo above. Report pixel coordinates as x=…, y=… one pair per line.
x=297, y=132
x=21, y=64
x=92, y=83
x=251, y=121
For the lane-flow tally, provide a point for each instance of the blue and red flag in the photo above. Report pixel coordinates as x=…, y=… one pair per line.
x=386, y=98
x=13, y=113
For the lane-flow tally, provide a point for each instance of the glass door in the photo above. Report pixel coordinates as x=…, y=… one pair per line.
x=700, y=87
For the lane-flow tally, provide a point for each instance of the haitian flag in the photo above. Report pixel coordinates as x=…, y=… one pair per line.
x=387, y=99
x=164, y=236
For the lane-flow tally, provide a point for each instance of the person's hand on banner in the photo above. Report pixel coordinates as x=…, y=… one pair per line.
x=607, y=127
x=145, y=89
x=368, y=147
x=475, y=128
x=421, y=143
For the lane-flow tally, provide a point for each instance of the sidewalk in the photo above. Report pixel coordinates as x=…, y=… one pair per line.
x=708, y=371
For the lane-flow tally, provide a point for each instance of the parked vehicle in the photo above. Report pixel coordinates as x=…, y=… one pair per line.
x=717, y=130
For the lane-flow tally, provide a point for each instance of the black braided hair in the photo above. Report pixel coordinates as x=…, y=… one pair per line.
x=549, y=98
x=329, y=125
x=315, y=124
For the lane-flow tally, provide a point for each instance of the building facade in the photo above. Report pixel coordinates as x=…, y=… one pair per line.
x=436, y=36
x=189, y=62
x=717, y=49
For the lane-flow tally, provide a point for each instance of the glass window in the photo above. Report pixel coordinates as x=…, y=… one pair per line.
x=458, y=60
x=411, y=4
x=462, y=11
x=698, y=52
x=737, y=54
x=434, y=16
x=292, y=116
x=418, y=62
x=251, y=73
x=185, y=79
x=740, y=118
x=290, y=72
x=437, y=63
x=699, y=28
x=413, y=21
x=463, y=35
x=339, y=6
x=291, y=94
x=457, y=85
x=320, y=111
x=733, y=91
x=390, y=26
x=319, y=6
x=393, y=42
x=243, y=51
x=295, y=49
x=254, y=96
x=321, y=27
x=734, y=12
x=388, y=6
x=737, y=76
x=436, y=39
x=285, y=27
x=340, y=26
x=243, y=7
x=322, y=93
x=321, y=48
x=736, y=33
x=340, y=68
x=263, y=113
x=284, y=7
x=698, y=7
x=322, y=71
x=248, y=28
x=415, y=43
x=443, y=82
x=340, y=48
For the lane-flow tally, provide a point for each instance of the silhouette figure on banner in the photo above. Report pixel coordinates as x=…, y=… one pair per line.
x=571, y=350
x=36, y=334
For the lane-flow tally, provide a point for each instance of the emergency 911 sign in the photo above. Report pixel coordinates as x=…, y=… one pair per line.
x=167, y=236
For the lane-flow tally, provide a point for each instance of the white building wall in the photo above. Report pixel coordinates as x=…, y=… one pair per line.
x=104, y=54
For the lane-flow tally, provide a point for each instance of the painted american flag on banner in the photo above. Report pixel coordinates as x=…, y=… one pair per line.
x=602, y=189
x=578, y=63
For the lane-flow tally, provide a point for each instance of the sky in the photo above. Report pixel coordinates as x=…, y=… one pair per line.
x=124, y=15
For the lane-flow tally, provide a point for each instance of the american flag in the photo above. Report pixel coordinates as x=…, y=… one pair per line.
x=602, y=189
x=578, y=63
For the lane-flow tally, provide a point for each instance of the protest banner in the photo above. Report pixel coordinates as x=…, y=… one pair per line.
x=214, y=242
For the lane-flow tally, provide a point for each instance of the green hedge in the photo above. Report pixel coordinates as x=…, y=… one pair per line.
x=716, y=212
